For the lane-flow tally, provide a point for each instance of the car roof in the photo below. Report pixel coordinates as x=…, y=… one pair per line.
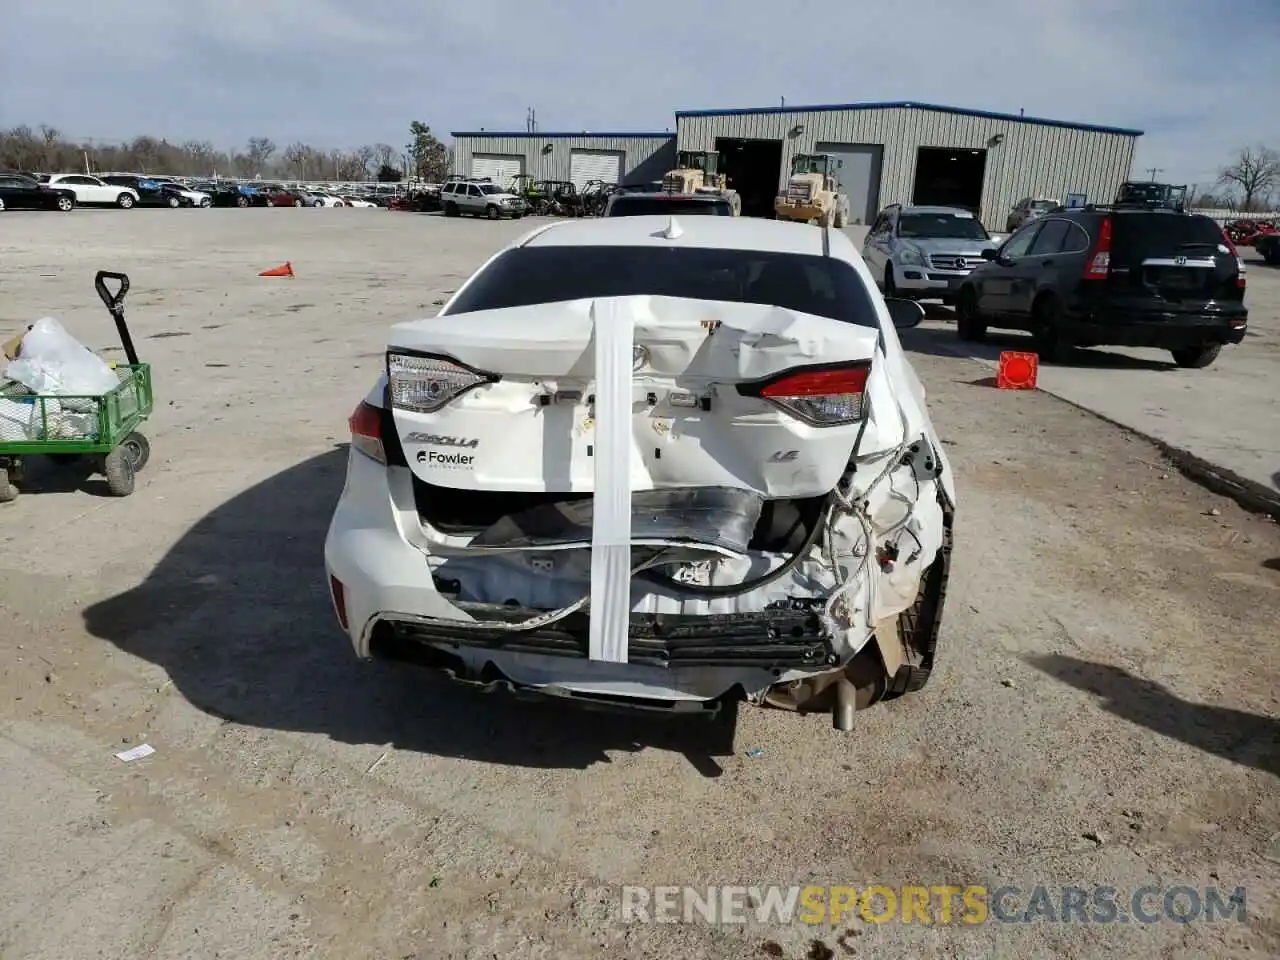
x=671, y=195
x=726, y=233
x=926, y=210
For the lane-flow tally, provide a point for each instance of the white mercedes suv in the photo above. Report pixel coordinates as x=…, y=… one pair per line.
x=657, y=463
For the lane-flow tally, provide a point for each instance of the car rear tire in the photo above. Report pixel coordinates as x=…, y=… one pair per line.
x=451, y=209
x=66, y=204
x=125, y=201
x=174, y=203
x=1047, y=314
x=206, y=202
x=1, y=206
x=969, y=325
x=920, y=624
x=1197, y=358
x=242, y=201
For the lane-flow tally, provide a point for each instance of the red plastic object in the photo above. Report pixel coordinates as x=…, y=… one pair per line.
x=1017, y=371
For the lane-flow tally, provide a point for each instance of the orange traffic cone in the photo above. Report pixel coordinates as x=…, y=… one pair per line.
x=284, y=270
x=1017, y=371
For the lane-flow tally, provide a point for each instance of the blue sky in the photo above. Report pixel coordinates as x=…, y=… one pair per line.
x=1199, y=76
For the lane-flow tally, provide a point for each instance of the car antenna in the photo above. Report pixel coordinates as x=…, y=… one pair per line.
x=672, y=230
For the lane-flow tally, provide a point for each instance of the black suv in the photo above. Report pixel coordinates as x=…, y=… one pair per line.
x=151, y=193
x=1099, y=276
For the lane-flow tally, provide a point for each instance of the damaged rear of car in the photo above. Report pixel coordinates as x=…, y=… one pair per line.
x=658, y=464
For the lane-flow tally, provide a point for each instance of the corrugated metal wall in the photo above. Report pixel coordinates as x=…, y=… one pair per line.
x=1032, y=159
x=647, y=157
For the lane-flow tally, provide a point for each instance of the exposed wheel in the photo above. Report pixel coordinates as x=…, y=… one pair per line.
x=1197, y=358
x=1, y=205
x=242, y=201
x=492, y=212
x=206, y=202
x=919, y=624
x=297, y=203
x=125, y=201
x=890, y=284
x=139, y=449
x=8, y=491
x=969, y=325
x=174, y=203
x=842, y=219
x=118, y=468
x=1047, y=315
x=66, y=204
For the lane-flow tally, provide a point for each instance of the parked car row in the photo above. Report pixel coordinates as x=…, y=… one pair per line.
x=66, y=191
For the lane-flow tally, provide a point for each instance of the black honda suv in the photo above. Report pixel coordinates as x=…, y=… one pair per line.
x=1115, y=275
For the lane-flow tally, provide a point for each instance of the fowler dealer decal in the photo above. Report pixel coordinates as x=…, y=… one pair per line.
x=433, y=459
x=431, y=440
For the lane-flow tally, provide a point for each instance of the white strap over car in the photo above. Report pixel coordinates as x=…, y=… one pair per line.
x=614, y=332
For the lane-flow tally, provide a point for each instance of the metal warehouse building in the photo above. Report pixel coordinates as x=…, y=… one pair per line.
x=579, y=157
x=913, y=153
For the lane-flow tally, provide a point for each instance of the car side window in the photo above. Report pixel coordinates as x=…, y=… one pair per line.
x=1021, y=241
x=877, y=228
x=1076, y=239
x=473, y=191
x=1049, y=239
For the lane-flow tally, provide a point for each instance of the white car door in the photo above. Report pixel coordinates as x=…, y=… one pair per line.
x=93, y=190
x=873, y=251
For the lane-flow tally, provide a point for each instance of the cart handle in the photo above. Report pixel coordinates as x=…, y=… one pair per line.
x=115, y=304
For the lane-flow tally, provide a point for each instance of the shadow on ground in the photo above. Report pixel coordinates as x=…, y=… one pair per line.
x=238, y=615
x=943, y=342
x=1243, y=738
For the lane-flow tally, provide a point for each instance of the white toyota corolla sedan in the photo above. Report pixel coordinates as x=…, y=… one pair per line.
x=657, y=463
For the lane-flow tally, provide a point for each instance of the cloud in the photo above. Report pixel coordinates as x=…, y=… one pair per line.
x=342, y=72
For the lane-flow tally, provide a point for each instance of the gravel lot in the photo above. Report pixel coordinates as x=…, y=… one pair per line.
x=1105, y=711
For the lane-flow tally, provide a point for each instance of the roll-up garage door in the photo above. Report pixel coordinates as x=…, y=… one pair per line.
x=859, y=176
x=501, y=168
x=588, y=165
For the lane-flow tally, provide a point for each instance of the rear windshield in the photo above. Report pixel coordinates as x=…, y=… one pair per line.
x=823, y=286
x=1136, y=236
x=940, y=226
x=647, y=206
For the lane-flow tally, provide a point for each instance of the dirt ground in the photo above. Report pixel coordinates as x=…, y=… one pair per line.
x=1106, y=708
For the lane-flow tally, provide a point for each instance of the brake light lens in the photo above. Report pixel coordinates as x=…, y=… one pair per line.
x=1098, y=266
x=425, y=384
x=820, y=396
x=366, y=432
x=1231, y=247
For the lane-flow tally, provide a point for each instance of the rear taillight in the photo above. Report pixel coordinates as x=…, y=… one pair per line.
x=425, y=384
x=1098, y=266
x=366, y=432
x=1231, y=248
x=339, y=595
x=821, y=396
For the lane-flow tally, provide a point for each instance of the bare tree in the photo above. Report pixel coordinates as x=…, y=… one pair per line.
x=363, y=156
x=1255, y=171
x=45, y=149
x=260, y=150
x=384, y=155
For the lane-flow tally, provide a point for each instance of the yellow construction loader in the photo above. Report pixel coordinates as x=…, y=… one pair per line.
x=697, y=171
x=813, y=192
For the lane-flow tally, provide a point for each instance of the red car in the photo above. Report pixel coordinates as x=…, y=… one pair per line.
x=280, y=197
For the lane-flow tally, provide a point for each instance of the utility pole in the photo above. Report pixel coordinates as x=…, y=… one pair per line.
x=1153, y=171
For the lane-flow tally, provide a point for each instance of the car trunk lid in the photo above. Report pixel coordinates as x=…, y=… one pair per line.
x=533, y=420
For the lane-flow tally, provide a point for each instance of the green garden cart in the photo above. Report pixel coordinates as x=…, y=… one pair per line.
x=100, y=430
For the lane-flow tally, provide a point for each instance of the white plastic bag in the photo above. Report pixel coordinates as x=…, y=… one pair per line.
x=54, y=363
